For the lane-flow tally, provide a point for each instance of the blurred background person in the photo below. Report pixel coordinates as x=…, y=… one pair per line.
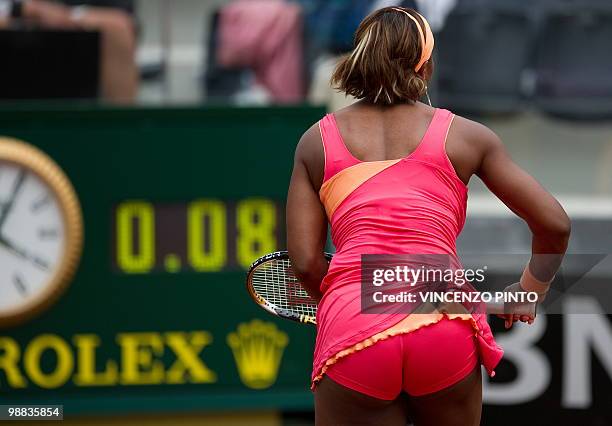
x=265, y=36
x=112, y=18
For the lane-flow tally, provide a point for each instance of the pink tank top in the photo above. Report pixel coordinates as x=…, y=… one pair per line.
x=413, y=205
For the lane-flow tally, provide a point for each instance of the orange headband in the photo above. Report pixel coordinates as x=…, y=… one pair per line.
x=427, y=39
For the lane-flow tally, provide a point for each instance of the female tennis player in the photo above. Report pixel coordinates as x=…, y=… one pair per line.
x=390, y=175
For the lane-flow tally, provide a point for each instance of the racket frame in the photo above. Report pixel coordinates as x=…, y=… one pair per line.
x=267, y=305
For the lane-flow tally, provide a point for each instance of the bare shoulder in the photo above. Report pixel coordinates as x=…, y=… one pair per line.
x=468, y=144
x=310, y=145
x=476, y=134
x=310, y=141
x=310, y=152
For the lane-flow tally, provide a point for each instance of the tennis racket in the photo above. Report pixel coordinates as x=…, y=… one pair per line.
x=273, y=286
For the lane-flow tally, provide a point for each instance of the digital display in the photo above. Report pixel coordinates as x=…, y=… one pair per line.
x=205, y=235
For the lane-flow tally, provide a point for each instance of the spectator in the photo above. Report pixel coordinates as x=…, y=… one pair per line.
x=265, y=36
x=112, y=18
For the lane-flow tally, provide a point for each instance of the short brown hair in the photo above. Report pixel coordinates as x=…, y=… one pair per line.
x=380, y=68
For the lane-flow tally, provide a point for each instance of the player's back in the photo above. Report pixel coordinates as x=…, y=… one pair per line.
x=413, y=203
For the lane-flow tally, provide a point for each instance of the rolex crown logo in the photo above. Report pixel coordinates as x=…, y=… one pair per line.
x=258, y=349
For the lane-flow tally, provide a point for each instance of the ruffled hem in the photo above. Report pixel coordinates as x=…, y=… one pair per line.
x=407, y=325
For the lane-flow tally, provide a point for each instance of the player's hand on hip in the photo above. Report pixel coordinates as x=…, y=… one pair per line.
x=522, y=310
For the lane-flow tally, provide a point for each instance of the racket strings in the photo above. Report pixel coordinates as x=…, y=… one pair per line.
x=275, y=282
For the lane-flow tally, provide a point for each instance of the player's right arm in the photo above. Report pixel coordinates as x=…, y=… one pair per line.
x=520, y=192
x=548, y=222
x=306, y=219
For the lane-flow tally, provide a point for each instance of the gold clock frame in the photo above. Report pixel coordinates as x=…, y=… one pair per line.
x=34, y=160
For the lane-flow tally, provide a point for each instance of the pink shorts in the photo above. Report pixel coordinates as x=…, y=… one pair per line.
x=421, y=362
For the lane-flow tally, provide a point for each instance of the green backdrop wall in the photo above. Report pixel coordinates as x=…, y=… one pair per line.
x=145, y=324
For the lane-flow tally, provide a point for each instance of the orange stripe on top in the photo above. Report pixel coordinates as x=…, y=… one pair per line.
x=342, y=184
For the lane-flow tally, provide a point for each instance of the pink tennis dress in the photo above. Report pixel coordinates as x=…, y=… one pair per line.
x=413, y=205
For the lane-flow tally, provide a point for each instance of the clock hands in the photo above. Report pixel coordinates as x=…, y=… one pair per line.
x=23, y=254
x=8, y=205
x=6, y=208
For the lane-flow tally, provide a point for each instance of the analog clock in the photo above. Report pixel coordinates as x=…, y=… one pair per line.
x=41, y=231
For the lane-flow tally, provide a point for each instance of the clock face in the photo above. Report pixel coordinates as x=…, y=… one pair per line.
x=32, y=237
